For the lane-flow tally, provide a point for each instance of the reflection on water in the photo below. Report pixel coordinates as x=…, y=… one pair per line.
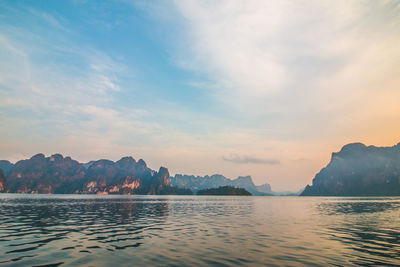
x=70, y=230
x=369, y=228
x=357, y=205
x=37, y=227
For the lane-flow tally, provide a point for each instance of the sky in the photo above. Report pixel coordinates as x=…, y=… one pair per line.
x=262, y=88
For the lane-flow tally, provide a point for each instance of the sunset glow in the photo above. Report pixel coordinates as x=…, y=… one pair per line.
x=262, y=88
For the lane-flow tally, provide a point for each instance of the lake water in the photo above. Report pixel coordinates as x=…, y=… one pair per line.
x=71, y=230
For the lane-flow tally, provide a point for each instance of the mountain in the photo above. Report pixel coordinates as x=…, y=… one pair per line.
x=224, y=191
x=88, y=164
x=359, y=170
x=44, y=175
x=196, y=183
x=2, y=182
x=6, y=166
x=264, y=188
x=289, y=193
x=58, y=174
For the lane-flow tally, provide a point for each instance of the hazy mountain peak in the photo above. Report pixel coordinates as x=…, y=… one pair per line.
x=142, y=162
x=196, y=183
x=352, y=147
x=127, y=159
x=6, y=166
x=56, y=157
x=38, y=156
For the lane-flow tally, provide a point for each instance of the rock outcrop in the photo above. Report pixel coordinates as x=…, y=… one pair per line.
x=6, y=166
x=359, y=170
x=56, y=174
x=39, y=174
x=2, y=182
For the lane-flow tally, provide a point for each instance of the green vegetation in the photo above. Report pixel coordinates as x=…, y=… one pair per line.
x=170, y=190
x=224, y=191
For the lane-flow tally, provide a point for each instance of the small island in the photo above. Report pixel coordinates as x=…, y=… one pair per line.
x=224, y=191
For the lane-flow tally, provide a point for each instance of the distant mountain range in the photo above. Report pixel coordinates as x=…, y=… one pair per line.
x=63, y=175
x=196, y=183
x=58, y=174
x=359, y=170
x=356, y=170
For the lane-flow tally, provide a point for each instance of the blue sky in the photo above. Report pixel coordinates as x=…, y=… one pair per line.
x=261, y=88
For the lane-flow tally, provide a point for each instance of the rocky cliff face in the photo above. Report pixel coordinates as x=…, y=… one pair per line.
x=6, y=166
x=44, y=175
x=125, y=176
x=359, y=170
x=196, y=183
x=2, y=182
x=57, y=174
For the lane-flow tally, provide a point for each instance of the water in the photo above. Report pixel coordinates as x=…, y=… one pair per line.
x=71, y=230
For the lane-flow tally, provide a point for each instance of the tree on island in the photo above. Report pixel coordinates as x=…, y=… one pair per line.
x=224, y=191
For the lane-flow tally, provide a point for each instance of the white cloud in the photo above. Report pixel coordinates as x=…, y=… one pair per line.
x=302, y=62
x=299, y=77
x=55, y=93
x=292, y=79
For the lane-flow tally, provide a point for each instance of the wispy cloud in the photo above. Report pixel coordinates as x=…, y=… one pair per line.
x=235, y=158
x=298, y=64
x=62, y=89
x=295, y=78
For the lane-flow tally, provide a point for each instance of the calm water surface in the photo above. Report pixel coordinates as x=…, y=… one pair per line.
x=71, y=230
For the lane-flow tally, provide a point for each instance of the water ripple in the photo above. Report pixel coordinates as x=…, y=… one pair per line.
x=71, y=230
